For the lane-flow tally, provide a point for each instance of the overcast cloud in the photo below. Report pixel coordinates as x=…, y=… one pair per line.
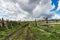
x=27, y=9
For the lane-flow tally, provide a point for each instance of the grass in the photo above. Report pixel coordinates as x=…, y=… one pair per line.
x=23, y=36
x=4, y=33
x=38, y=33
x=43, y=35
x=46, y=33
x=7, y=32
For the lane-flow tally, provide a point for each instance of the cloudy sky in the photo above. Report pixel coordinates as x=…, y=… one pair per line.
x=29, y=9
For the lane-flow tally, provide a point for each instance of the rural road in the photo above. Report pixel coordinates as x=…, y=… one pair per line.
x=16, y=34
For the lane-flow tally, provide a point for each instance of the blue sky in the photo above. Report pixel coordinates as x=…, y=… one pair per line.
x=29, y=9
x=55, y=3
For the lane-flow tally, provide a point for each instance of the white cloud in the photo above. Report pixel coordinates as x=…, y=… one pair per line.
x=12, y=10
x=43, y=10
x=58, y=5
x=23, y=1
x=26, y=9
x=56, y=16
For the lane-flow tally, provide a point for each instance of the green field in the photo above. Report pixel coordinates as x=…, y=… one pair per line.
x=31, y=31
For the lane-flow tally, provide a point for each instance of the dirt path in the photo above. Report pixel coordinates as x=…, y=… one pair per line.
x=16, y=33
x=29, y=35
x=20, y=33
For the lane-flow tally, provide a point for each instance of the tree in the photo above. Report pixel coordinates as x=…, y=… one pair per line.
x=46, y=20
x=35, y=22
x=2, y=21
